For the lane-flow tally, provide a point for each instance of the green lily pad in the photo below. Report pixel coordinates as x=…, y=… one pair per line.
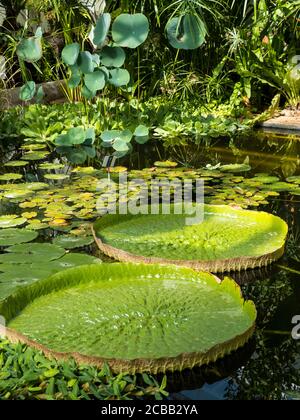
x=266, y=179
x=221, y=239
x=10, y=221
x=166, y=164
x=282, y=187
x=16, y=163
x=134, y=317
x=11, y=236
x=72, y=241
x=10, y=177
x=51, y=166
x=35, y=155
x=235, y=168
x=32, y=253
x=57, y=177
x=73, y=260
x=294, y=179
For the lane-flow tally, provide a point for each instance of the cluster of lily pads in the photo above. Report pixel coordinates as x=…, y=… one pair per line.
x=23, y=262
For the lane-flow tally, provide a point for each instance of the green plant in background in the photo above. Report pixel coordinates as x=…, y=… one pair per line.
x=77, y=145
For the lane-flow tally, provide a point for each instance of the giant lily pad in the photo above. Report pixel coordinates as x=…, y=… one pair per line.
x=227, y=239
x=134, y=317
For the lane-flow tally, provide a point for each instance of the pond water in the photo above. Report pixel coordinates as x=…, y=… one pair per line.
x=269, y=366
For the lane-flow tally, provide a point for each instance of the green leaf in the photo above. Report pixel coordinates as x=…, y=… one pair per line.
x=10, y=237
x=252, y=238
x=85, y=62
x=70, y=54
x=101, y=29
x=119, y=77
x=110, y=135
x=141, y=131
x=30, y=50
x=77, y=135
x=113, y=56
x=120, y=145
x=95, y=81
x=87, y=93
x=130, y=30
x=27, y=91
x=51, y=373
x=75, y=78
x=186, y=32
x=72, y=241
x=40, y=94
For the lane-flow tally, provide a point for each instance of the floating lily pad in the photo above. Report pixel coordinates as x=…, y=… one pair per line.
x=282, y=187
x=166, y=164
x=294, y=179
x=51, y=166
x=35, y=252
x=135, y=318
x=73, y=260
x=16, y=163
x=265, y=179
x=11, y=236
x=72, y=241
x=10, y=177
x=12, y=220
x=35, y=155
x=57, y=177
x=235, y=168
x=227, y=238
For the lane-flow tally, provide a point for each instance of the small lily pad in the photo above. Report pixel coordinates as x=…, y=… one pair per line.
x=235, y=168
x=12, y=236
x=10, y=177
x=73, y=260
x=51, y=166
x=57, y=177
x=35, y=252
x=72, y=241
x=166, y=164
x=16, y=163
x=10, y=221
x=294, y=179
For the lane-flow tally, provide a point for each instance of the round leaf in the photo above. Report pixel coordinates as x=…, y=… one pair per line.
x=10, y=237
x=30, y=50
x=113, y=56
x=95, y=81
x=70, y=54
x=85, y=62
x=101, y=29
x=120, y=145
x=130, y=30
x=27, y=91
x=119, y=77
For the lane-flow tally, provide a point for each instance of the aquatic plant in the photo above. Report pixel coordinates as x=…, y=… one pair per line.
x=227, y=239
x=136, y=318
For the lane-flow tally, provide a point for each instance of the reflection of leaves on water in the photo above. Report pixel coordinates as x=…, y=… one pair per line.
x=293, y=245
x=267, y=295
x=269, y=375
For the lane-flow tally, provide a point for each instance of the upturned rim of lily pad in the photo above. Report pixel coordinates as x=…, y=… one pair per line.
x=187, y=360
x=216, y=266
